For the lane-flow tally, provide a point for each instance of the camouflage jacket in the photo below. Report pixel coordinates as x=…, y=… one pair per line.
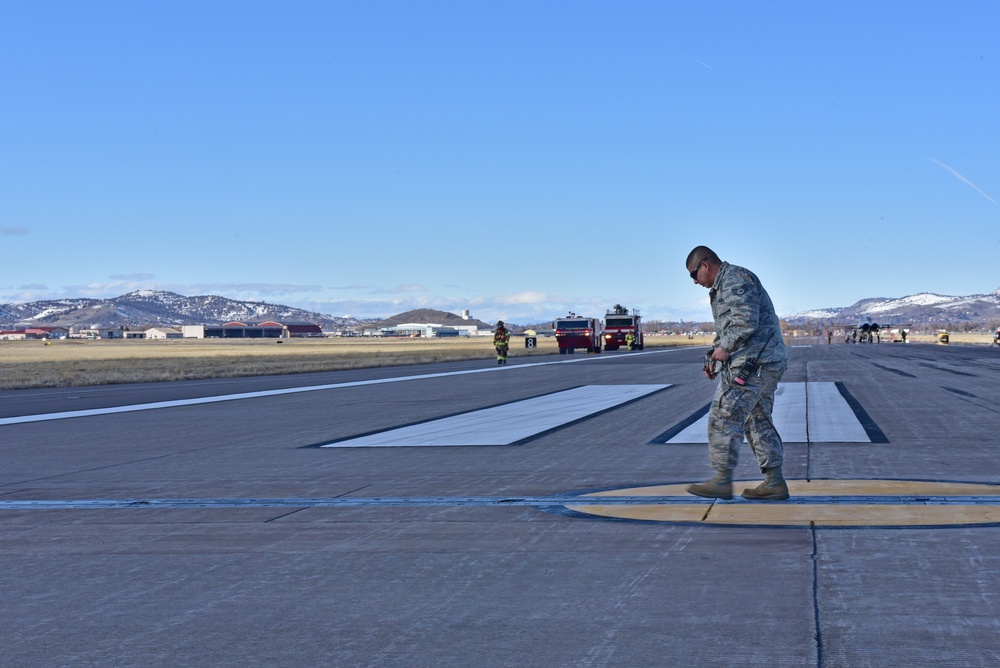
x=744, y=317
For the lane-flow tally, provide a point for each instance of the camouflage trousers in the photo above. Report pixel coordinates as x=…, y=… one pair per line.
x=739, y=410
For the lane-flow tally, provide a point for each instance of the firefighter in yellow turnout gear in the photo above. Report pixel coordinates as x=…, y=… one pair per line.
x=630, y=340
x=501, y=340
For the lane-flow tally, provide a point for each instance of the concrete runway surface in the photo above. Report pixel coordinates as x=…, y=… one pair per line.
x=464, y=514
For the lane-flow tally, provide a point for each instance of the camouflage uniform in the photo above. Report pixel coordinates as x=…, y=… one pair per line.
x=746, y=325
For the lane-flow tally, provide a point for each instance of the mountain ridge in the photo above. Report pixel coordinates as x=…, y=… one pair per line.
x=922, y=308
x=157, y=307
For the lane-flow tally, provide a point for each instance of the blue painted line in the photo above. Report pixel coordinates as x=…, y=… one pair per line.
x=472, y=501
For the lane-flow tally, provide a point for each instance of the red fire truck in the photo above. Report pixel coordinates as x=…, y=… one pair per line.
x=618, y=322
x=574, y=331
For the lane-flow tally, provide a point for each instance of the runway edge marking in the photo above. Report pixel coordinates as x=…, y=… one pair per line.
x=63, y=415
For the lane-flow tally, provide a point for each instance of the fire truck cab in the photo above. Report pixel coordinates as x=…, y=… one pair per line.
x=574, y=331
x=618, y=323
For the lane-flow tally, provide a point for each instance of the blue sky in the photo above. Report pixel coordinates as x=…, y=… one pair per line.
x=519, y=159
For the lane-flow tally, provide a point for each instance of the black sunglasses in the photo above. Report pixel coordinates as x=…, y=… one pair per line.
x=694, y=272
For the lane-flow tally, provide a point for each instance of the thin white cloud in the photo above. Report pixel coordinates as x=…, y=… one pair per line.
x=954, y=172
x=30, y=292
x=131, y=277
x=399, y=289
x=97, y=290
x=121, y=284
x=530, y=297
x=700, y=63
x=226, y=289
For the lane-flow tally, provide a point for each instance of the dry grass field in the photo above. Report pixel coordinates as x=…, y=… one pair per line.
x=67, y=363
x=959, y=338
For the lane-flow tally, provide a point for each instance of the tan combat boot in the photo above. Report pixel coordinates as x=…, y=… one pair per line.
x=719, y=487
x=774, y=487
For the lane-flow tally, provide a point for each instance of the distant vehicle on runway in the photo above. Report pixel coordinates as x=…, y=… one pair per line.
x=618, y=325
x=574, y=331
x=870, y=332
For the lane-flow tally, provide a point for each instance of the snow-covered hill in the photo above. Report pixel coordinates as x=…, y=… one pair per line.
x=923, y=308
x=154, y=307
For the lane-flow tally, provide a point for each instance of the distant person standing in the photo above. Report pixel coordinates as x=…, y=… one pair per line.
x=501, y=340
x=749, y=357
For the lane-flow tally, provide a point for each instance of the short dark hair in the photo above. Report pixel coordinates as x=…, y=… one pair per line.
x=701, y=253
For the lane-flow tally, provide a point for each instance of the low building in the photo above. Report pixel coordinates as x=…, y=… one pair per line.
x=295, y=330
x=193, y=331
x=409, y=329
x=34, y=333
x=430, y=330
x=240, y=330
x=292, y=330
x=164, y=333
x=259, y=330
x=94, y=333
x=233, y=330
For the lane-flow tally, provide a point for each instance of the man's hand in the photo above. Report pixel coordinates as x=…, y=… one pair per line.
x=720, y=354
x=716, y=355
x=708, y=368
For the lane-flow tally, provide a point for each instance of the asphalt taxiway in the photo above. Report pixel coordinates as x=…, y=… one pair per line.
x=464, y=514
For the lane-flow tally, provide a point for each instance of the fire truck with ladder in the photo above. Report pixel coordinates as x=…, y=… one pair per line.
x=618, y=322
x=574, y=331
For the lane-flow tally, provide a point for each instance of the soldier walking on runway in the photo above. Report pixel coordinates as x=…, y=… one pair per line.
x=749, y=357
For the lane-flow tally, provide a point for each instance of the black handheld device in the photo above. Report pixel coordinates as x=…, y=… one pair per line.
x=746, y=369
x=750, y=366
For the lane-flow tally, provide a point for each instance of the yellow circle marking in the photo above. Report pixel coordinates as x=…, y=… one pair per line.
x=850, y=513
